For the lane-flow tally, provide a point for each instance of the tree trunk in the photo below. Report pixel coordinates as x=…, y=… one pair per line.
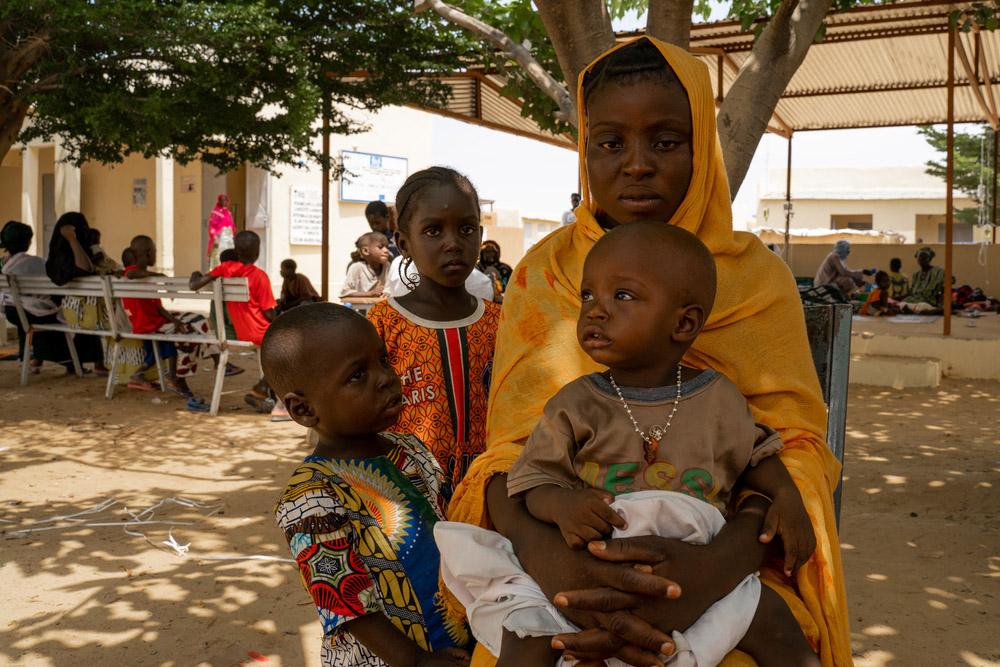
x=580, y=31
x=670, y=20
x=749, y=104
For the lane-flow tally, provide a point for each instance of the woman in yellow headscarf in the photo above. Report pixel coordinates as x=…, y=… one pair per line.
x=649, y=151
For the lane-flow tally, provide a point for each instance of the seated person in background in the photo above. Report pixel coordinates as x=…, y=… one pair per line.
x=926, y=287
x=834, y=272
x=490, y=264
x=880, y=303
x=149, y=316
x=227, y=255
x=647, y=291
x=296, y=288
x=899, y=285
x=359, y=512
x=251, y=318
x=379, y=218
x=370, y=265
x=102, y=263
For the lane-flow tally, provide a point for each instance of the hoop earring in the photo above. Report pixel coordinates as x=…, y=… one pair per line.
x=404, y=274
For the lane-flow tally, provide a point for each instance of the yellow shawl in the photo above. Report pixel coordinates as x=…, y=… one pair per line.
x=756, y=336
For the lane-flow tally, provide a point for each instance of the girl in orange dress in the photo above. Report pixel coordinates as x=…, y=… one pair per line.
x=439, y=337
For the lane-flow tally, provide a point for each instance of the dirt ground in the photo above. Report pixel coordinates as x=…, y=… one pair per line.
x=920, y=531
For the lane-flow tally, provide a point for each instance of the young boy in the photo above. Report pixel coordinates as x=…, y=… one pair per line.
x=359, y=512
x=295, y=288
x=879, y=303
x=899, y=285
x=380, y=220
x=149, y=316
x=367, y=275
x=252, y=318
x=675, y=441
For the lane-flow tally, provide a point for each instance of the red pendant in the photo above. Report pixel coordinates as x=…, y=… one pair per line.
x=649, y=448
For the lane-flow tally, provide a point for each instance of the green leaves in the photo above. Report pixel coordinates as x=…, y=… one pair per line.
x=973, y=155
x=224, y=82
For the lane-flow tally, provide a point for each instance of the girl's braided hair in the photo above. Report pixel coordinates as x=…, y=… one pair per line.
x=639, y=61
x=421, y=180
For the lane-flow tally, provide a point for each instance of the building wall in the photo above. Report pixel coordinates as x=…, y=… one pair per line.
x=806, y=258
x=188, y=247
x=10, y=187
x=899, y=215
x=106, y=200
x=394, y=131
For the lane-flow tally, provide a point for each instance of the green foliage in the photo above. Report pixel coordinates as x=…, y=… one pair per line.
x=224, y=82
x=973, y=155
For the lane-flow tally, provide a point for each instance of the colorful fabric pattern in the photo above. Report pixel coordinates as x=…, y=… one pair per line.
x=899, y=286
x=361, y=531
x=445, y=368
x=927, y=287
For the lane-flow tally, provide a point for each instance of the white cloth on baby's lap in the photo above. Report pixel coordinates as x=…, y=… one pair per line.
x=481, y=570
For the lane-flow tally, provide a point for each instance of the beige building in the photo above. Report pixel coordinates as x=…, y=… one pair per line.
x=903, y=200
x=172, y=202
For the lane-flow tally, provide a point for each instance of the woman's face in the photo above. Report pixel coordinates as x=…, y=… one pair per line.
x=639, y=154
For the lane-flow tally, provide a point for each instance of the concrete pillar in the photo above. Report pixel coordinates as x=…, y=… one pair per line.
x=67, y=177
x=163, y=188
x=31, y=204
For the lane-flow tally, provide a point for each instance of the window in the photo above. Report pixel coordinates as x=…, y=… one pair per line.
x=960, y=233
x=860, y=221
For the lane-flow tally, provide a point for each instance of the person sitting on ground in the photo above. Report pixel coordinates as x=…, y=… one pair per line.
x=15, y=239
x=899, y=285
x=926, y=287
x=490, y=264
x=595, y=462
x=368, y=269
x=296, y=288
x=251, y=318
x=149, y=316
x=569, y=217
x=103, y=264
x=880, y=302
x=834, y=272
x=379, y=219
x=365, y=501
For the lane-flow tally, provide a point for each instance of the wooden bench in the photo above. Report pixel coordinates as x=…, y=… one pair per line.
x=111, y=291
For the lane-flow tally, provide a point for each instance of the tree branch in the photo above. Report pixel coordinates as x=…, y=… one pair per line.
x=11, y=119
x=580, y=31
x=545, y=81
x=670, y=20
x=750, y=103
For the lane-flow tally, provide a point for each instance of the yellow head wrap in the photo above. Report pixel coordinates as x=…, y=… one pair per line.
x=756, y=336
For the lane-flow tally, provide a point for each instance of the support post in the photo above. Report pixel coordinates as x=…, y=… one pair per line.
x=163, y=189
x=950, y=182
x=31, y=207
x=325, y=252
x=788, y=203
x=993, y=198
x=67, y=177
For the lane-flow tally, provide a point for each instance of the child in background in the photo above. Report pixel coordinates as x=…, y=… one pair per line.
x=675, y=440
x=899, y=285
x=252, y=318
x=102, y=263
x=296, y=288
x=880, y=303
x=380, y=219
x=440, y=338
x=366, y=276
x=373, y=575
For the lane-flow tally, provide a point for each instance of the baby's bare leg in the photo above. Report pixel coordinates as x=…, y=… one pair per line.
x=527, y=652
x=775, y=638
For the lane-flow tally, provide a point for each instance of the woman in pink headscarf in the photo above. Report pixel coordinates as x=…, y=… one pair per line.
x=221, y=230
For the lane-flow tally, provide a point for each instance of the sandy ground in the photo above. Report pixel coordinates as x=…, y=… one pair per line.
x=921, y=531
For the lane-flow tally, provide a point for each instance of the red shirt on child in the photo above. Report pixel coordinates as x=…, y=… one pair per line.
x=248, y=318
x=144, y=314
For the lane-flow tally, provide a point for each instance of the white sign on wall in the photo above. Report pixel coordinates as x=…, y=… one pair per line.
x=305, y=216
x=369, y=177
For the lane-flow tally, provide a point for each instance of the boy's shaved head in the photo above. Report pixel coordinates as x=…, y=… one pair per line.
x=140, y=243
x=673, y=257
x=295, y=343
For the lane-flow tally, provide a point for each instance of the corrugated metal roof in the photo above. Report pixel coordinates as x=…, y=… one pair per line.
x=877, y=66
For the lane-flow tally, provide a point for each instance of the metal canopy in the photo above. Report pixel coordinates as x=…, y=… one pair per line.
x=877, y=66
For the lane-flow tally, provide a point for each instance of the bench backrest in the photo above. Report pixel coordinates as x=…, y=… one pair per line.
x=829, y=331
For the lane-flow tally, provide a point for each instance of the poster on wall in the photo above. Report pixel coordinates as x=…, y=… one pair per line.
x=140, y=189
x=370, y=177
x=305, y=216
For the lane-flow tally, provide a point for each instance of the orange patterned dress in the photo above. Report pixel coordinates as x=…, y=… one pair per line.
x=445, y=369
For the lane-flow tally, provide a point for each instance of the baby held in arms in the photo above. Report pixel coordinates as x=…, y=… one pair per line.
x=648, y=447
